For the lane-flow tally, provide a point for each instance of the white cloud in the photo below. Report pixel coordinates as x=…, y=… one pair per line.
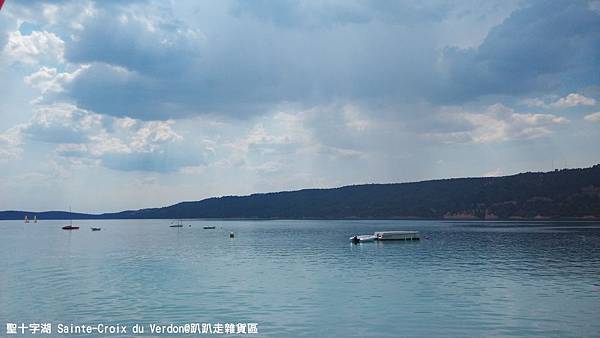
x=62, y=123
x=594, y=117
x=86, y=136
x=499, y=123
x=9, y=143
x=139, y=137
x=48, y=79
x=573, y=100
x=34, y=48
x=125, y=123
x=105, y=143
x=152, y=134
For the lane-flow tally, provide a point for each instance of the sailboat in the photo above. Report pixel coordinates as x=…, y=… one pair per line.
x=177, y=225
x=70, y=226
x=26, y=219
x=34, y=219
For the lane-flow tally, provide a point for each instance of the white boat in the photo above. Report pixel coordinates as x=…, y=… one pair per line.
x=362, y=238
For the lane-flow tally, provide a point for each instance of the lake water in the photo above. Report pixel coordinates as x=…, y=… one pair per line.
x=304, y=278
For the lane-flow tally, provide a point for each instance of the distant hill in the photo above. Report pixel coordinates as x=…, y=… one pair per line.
x=567, y=193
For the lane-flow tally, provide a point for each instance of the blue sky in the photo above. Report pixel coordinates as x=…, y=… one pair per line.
x=114, y=105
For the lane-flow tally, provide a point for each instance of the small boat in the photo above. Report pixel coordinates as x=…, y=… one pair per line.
x=209, y=227
x=362, y=238
x=26, y=219
x=96, y=229
x=70, y=226
x=34, y=219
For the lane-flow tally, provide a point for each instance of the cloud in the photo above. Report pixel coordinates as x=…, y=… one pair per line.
x=48, y=79
x=117, y=143
x=138, y=40
x=34, y=48
x=514, y=57
x=152, y=134
x=573, y=100
x=145, y=61
x=568, y=101
x=498, y=123
x=61, y=123
x=10, y=141
x=154, y=65
x=132, y=145
x=128, y=93
x=280, y=137
x=594, y=117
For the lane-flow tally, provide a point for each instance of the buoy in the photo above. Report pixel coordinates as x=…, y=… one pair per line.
x=231, y=235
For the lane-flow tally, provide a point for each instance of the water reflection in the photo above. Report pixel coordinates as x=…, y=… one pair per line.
x=304, y=278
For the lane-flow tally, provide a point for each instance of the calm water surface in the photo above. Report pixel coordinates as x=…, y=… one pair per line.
x=304, y=278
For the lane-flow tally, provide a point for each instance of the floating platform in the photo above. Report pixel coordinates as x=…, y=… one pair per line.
x=208, y=227
x=397, y=235
x=387, y=236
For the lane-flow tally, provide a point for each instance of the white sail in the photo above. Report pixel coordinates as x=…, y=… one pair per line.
x=26, y=219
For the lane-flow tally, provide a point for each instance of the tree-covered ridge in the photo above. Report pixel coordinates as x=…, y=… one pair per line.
x=567, y=193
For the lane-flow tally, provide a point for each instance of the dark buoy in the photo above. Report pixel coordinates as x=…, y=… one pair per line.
x=231, y=235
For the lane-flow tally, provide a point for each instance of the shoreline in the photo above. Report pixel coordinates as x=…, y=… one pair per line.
x=499, y=220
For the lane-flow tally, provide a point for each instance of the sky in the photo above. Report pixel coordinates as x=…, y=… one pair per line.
x=113, y=105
